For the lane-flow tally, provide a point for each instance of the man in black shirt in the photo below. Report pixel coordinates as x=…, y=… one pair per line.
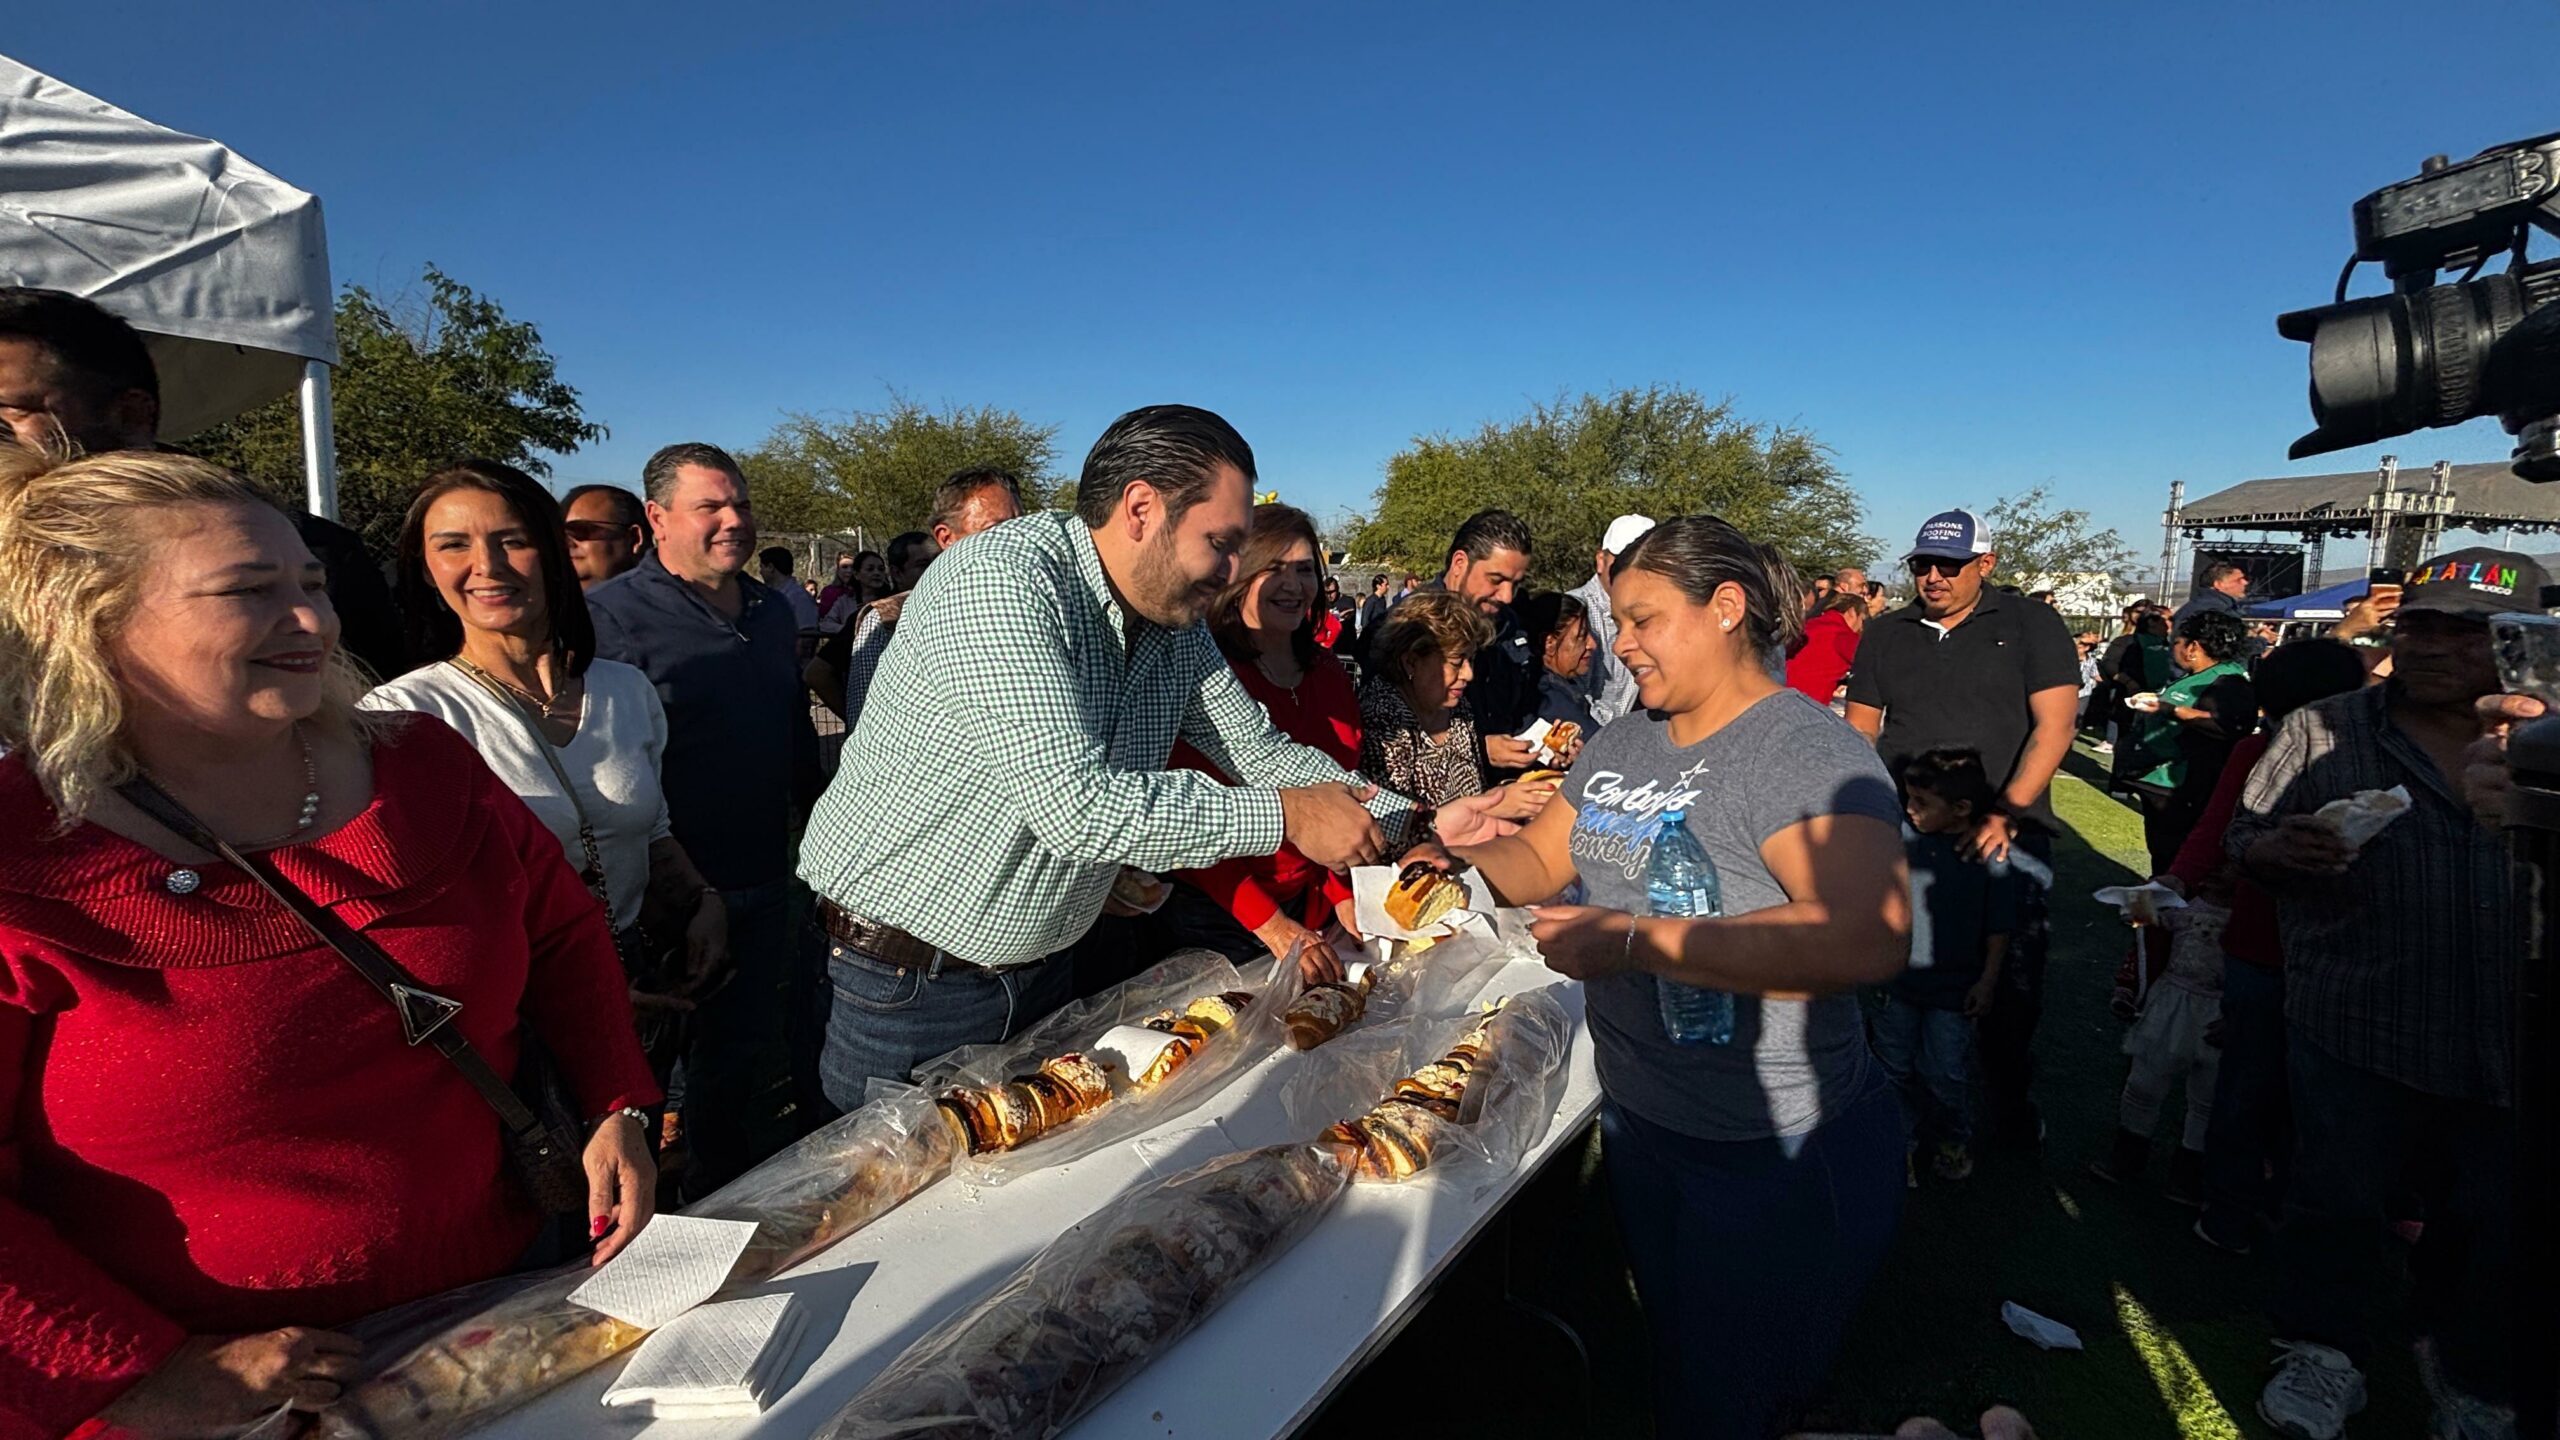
x=1967, y=666
x=1488, y=563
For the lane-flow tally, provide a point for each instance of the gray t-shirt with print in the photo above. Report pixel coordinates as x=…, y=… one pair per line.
x=1781, y=762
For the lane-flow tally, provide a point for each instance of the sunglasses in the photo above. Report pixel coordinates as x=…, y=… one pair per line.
x=595, y=529
x=1925, y=564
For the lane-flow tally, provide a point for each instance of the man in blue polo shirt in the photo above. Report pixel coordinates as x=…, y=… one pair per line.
x=1965, y=666
x=741, y=768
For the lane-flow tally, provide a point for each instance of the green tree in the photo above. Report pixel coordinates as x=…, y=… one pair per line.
x=1572, y=466
x=2033, y=540
x=819, y=475
x=421, y=382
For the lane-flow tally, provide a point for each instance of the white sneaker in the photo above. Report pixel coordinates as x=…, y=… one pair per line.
x=2314, y=1390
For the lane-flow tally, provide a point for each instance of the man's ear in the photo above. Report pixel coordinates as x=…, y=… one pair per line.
x=1141, y=510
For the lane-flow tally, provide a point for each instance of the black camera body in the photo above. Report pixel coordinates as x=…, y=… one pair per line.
x=2429, y=355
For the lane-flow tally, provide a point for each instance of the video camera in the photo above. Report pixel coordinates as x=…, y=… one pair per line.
x=2429, y=355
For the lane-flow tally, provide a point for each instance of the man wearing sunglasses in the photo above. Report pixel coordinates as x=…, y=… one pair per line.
x=1966, y=666
x=608, y=532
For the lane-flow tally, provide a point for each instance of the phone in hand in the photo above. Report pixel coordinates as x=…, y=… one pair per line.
x=2527, y=648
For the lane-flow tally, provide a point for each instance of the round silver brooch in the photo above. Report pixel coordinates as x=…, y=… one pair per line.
x=183, y=882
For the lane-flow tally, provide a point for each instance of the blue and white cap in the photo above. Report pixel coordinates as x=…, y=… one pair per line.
x=1951, y=535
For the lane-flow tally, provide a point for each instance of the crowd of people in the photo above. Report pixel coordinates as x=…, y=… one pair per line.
x=279, y=913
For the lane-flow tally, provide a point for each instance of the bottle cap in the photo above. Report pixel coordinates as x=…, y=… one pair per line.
x=1674, y=817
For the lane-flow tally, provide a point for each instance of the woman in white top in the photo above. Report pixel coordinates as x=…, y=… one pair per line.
x=485, y=582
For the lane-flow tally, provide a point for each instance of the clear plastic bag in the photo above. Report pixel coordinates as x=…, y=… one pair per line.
x=445, y=1364
x=1510, y=1093
x=1173, y=984
x=836, y=1181
x=440, y=1366
x=1101, y=1303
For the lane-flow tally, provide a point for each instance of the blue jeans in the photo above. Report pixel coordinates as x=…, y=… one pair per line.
x=883, y=1021
x=1928, y=1055
x=1750, y=1260
x=738, y=1087
x=2356, y=1135
x=2249, y=1128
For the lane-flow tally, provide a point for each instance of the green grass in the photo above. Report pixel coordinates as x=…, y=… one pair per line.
x=2176, y=1334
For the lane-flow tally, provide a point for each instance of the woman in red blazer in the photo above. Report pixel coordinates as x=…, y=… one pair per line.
x=1266, y=622
x=213, y=1137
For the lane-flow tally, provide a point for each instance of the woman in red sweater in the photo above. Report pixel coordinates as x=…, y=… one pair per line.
x=1830, y=646
x=212, y=1134
x=1265, y=622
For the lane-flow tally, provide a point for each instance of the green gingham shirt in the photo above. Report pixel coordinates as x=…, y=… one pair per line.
x=1011, y=755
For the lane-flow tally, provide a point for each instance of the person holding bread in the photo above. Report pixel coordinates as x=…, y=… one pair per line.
x=1418, y=737
x=1757, y=1182
x=1014, y=756
x=1266, y=624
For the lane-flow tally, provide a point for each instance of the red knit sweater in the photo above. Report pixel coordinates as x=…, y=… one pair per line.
x=1323, y=713
x=209, y=1122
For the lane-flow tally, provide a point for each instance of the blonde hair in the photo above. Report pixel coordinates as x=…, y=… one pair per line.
x=73, y=547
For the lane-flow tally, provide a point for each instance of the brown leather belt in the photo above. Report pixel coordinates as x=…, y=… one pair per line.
x=885, y=943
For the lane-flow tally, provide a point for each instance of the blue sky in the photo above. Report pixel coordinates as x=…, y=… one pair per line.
x=1973, y=247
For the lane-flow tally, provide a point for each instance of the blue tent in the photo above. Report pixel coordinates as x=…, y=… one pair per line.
x=2327, y=603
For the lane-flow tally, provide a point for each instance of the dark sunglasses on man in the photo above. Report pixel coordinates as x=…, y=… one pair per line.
x=1922, y=565
x=594, y=529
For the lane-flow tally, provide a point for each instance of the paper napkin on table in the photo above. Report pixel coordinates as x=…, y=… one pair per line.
x=714, y=1361
x=675, y=1265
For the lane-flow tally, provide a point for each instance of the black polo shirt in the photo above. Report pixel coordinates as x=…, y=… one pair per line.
x=742, y=757
x=1967, y=686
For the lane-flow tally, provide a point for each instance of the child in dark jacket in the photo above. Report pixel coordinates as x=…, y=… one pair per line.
x=1962, y=913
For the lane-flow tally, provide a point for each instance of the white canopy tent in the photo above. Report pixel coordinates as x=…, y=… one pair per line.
x=223, y=267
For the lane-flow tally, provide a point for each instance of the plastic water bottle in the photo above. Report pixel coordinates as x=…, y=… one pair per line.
x=1682, y=881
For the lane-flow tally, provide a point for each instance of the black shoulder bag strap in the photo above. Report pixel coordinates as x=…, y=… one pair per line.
x=549, y=1160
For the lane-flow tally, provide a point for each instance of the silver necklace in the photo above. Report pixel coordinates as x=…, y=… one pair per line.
x=303, y=819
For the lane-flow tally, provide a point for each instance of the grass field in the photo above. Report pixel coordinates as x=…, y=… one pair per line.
x=2176, y=1337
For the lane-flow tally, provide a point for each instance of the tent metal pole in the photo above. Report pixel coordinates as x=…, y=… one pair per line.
x=319, y=443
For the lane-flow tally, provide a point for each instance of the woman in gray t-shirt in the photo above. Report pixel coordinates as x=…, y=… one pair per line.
x=1758, y=1182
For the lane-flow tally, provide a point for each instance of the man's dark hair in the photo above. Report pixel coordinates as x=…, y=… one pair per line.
x=775, y=557
x=94, y=346
x=1378, y=581
x=434, y=633
x=1547, y=612
x=904, y=546
x=952, y=495
x=2303, y=671
x=2218, y=633
x=1487, y=531
x=1175, y=448
x=1954, y=775
x=627, y=509
x=658, y=477
x=2219, y=571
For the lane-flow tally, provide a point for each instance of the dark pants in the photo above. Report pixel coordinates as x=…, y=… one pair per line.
x=2005, y=1039
x=1750, y=1257
x=2251, y=1127
x=883, y=1021
x=2355, y=1135
x=738, y=1074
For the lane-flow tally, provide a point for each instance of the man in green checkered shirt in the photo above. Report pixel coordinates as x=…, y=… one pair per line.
x=1011, y=756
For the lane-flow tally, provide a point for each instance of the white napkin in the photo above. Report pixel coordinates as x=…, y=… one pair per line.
x=675, y=1265
x=2363, y=815
x=2044, y=1332
x=2140, y=904
x=1129, y=1049
x=713, y=1362
x=1369, y=887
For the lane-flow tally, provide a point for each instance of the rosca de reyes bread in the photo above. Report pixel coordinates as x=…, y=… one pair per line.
x=1422, y=897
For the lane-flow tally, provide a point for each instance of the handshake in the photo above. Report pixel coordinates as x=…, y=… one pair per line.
x=1330, y=824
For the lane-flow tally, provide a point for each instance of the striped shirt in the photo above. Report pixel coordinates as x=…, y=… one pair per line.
x=2405, y=965
x=1015, y=758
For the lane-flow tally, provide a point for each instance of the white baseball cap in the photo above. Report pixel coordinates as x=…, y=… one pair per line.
x=1623, y=532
